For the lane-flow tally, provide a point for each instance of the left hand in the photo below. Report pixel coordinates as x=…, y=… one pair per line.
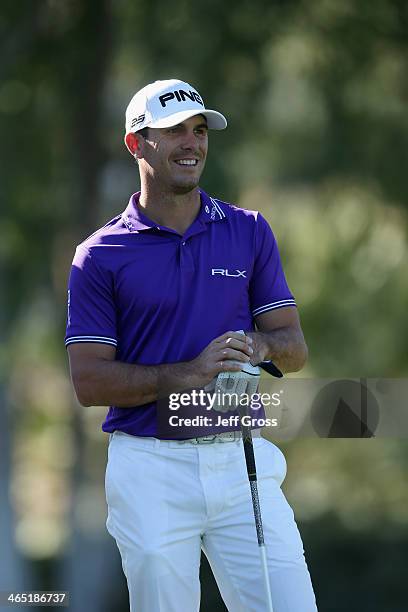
x=232, y=386
x=237, y=383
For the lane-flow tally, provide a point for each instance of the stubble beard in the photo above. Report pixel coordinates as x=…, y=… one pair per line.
x=182, y=188
x=178, y=185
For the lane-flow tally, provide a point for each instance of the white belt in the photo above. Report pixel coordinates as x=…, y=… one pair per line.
x=227, y=436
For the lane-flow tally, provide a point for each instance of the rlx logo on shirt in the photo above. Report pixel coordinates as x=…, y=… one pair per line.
x=226, y=272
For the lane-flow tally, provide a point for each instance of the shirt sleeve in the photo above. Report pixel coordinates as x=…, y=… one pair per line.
x=268, y=288
x=91, y=305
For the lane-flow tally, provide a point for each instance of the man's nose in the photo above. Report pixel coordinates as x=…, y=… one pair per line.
x=190, y=141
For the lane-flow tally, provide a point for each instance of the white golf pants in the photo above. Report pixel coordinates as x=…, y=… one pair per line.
x=167, y=501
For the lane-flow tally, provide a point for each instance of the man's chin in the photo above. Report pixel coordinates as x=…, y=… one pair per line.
x=183, y=187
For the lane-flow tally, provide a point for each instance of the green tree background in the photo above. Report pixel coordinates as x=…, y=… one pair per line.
x=316, y=96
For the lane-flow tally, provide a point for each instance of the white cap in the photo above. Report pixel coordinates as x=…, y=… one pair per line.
x=167, y=103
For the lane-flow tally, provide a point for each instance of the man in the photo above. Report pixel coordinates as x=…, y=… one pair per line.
x=156, y=297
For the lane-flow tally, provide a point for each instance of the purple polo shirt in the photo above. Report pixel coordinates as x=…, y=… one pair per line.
x=160, y=297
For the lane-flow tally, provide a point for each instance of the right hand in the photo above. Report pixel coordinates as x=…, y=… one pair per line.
x=227, y=353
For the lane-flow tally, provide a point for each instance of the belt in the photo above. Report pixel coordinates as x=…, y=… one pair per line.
x=227, y=436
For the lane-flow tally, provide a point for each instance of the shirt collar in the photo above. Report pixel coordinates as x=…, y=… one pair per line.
x=210, y=211
x=133, y=218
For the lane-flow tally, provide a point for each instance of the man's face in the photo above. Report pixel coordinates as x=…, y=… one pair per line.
x=173, y=158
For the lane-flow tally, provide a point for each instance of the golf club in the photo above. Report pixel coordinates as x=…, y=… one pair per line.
x=271, y=368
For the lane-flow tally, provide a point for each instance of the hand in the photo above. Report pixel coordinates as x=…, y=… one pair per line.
x=230, y=387
x=260, y=347
x=227, y=353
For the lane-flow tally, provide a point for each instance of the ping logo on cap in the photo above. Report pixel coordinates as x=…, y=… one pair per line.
x=163, y=104
x=180, y=95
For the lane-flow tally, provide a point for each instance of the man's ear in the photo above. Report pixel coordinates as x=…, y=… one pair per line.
x=133, y=143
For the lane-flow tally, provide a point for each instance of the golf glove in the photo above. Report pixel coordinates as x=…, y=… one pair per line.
x=230, y=386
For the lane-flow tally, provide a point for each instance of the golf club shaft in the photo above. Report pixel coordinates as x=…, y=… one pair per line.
x=251, y=470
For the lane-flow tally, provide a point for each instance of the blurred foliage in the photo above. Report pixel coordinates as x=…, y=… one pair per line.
x=316, y=97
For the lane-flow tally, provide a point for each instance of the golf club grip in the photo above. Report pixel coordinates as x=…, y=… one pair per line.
x=249, y=453
x=251, y=469
x=257, y=513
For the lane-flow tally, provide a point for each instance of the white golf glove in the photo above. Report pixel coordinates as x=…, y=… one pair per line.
x=230, y=386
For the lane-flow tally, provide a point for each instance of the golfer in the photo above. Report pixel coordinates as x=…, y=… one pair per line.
x=155, y=303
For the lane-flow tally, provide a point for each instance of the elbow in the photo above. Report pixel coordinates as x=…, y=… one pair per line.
x=83, y=392
x=84, y=399
x=89, y=375
x=304, y=355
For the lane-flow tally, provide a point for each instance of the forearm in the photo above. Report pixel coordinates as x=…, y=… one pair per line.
x=105, y=382
x=286, y=347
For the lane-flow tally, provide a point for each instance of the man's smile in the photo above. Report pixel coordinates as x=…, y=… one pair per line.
x=186, y=162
